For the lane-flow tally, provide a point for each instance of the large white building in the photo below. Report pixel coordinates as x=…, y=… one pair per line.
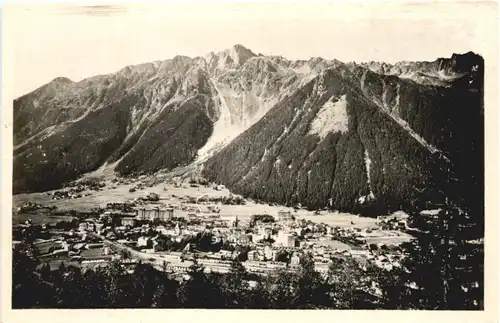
x=284, y=216
x=157, y=213
x=285, y=239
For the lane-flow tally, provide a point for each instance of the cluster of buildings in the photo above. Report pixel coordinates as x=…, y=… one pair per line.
x=270, y=243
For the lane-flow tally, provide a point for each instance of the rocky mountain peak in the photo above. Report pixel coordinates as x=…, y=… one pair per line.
x=230, y=58
x=240, y=54
x=62, y=80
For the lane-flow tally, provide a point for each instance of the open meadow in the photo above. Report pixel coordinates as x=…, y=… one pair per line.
x=171, y=195
x=176, y=196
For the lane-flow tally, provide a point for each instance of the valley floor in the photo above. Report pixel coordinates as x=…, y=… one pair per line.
x=174, y=196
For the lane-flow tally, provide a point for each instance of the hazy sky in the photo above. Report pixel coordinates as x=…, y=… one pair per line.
x=78, y=42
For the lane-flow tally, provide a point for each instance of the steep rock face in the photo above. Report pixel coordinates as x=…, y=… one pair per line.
x=247, y=93
x=354, y=139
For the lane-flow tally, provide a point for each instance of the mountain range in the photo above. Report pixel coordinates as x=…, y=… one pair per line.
x=363, y=137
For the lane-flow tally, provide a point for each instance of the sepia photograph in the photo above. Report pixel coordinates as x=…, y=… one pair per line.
x=247, y=156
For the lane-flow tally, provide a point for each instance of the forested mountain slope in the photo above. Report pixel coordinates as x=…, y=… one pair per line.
x=366, y=136
x=356, y=139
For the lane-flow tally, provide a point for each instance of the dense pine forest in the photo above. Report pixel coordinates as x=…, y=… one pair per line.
x=279, y=160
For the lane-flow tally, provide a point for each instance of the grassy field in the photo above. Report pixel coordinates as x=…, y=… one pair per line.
x=116, y=195
x=387, y=237
x=39, y=218
x=390, y=240
x=173, y=195
x=334, y=244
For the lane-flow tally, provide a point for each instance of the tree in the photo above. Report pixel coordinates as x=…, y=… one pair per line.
x=45, y=271
x=198, y=291
x=453, y=267
x=93, y=293
x=226, y=245
x=188, y=289
x=259, y=297
x=203, y=241
x=106, y=219
x=62, y=268
x=165, y=294
x=265, y=218
x=235, y=287
x=114, y=284
x=311, y=289
x=164, y=266
x=125, y=254
x=68, y=294
x=159, y=297
x=346, y=279
x=144, y=285
x=279, y=289
x=283, y=256
x=24, y=281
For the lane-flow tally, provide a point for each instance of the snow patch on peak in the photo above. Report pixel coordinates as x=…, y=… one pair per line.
x=331, y=117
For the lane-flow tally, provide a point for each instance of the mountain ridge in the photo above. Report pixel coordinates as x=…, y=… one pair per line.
x=170, y=113
x=362, y=63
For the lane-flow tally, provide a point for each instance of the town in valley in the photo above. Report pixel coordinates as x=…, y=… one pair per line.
x=172, y=224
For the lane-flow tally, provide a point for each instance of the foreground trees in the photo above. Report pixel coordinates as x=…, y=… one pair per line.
x=113, y=287
x=443, y=268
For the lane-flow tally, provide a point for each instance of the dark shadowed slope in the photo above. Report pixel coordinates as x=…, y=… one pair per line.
x=387, y=141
